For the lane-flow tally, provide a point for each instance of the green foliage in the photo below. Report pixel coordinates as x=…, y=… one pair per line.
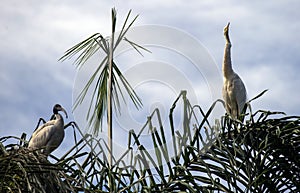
x=260, y=154
x=97, y=44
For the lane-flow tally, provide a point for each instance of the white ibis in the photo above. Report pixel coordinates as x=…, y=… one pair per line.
x=234, y=91
x=49, y=136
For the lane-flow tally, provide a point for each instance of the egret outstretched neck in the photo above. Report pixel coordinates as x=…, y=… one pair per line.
x=227, y=66
x=234, y=91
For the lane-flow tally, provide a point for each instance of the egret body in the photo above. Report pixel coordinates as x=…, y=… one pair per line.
x=49, y=136
x=234, y=91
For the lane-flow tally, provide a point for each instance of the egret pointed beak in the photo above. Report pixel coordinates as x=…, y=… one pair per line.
x=226, y=30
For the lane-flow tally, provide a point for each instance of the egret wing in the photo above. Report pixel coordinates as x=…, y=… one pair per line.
x=239, y=93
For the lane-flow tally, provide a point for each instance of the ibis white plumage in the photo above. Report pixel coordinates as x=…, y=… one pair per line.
x=234, y=91
x=49, y=136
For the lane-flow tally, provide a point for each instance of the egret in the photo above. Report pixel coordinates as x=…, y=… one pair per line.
x=49, y=136
x=234, y=91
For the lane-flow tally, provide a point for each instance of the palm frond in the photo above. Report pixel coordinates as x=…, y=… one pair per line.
x=99, y=101
x=260, y=154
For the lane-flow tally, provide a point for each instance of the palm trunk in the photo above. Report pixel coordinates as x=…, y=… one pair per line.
x=109, y=98
x=109, y=104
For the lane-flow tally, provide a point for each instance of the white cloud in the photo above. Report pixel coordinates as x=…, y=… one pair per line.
x=282, y=92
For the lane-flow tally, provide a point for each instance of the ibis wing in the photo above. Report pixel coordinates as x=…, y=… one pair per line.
x=42, y=135
x=40, y=128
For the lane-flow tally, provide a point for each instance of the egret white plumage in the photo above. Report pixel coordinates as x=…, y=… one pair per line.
x=234, y=91
x=49, y=136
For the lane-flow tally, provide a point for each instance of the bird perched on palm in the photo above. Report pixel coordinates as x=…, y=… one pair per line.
x=234, y=91
x=49, y=136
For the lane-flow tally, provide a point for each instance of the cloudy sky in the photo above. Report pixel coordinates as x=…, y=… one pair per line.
x=34, y=34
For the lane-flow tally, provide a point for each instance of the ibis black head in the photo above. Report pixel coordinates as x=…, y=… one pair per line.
x=57, y=108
